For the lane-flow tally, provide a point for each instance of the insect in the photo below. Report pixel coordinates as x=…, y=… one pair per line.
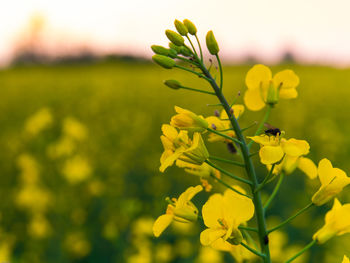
x=271, y=130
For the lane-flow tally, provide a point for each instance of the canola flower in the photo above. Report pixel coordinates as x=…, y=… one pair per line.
x=181, y=209
x=226, y=215
x=264, y=89
x=223, y=214
x=333, y=180
x=346, y=259
x=178, y=145
x=337, y=223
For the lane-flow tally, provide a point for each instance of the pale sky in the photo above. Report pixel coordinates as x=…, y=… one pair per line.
x=318, y=31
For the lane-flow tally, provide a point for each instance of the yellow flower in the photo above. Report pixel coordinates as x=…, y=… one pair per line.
x=263, y=89
x=333, y=180
x=337, y=223
x=222, y=124
x=346, y=259
x=273, y=148
x=204, y=170
x=187, y=120
x=222, y=214
x=182, y=210
x=177, y=145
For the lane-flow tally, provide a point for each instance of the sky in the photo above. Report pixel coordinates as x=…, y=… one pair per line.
x=316, y=31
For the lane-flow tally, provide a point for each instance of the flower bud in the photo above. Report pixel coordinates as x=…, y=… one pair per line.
x=172, y=53
x=236, y=237
x=175, y=47
x=272, y=94
x=173, y=84
x=164, y=61
x=190, y=27
x=180, y=27
x=175, y=37
x=212, y=45
x=185, y=51
x=160, y=50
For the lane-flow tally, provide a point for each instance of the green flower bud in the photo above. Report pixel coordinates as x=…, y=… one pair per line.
x=185, y=51
x=173, y=84
x=172, y=53
x=175, y=37
x=160, y=50
x=175, y=47
x=180, y=27
x=190, y=27
x=212, y=45
x=272, y=94
x=164, y=61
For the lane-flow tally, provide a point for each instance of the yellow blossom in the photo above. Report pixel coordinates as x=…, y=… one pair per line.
x=333, y=180
x=77, y=245
x=271, y=150
x=204, y=170
x=38, y=121
x=187, y=120
x=74, y=129
x=346, y=259
x=76, y=170
x=264, y=89
x=182, y=210
x=177, y=145
x=337, y=222
x=39, y=227
x=222, y=214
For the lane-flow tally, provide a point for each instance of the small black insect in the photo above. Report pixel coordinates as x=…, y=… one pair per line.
x=266, y=239
x=272, y=130
x=231, y=148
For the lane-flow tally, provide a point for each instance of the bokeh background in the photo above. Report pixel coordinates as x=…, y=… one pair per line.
x=82, y=105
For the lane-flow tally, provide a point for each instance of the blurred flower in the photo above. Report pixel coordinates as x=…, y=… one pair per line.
x=6, y=247
x=77, y=245
x=182, y=210
x=163, y=253
x=96, y=187
x=337, y=222
x=187, y=120
x=143, y=226
x=38, y=121
x=346, y=259
x=333, y=180
x=241, y=254
x=74, y=129
x=33, y=198
x=110, y=230
x=39, y=227
x=29, y=168
x=209, y=255
x=263, y=89
x=222, y=214
x=65, y=146
x=76, y=170
x=177, y=145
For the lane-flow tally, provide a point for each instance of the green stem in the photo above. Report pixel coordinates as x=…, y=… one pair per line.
x=267, y=177
x=313, y=242
x=228, y=173
x=221, y=72
x=249, y=238
x=250, y=126
x=259, y=210
x=229, y=186
x=261, y=124
x=226, y=161
x=275, y=191
x=248, y=228
x=224, y=135
x=253, y=250
x=200, y=48
x=187, y=60
x=198, y=90
x=195, y=52
x=189, y=70
x=291, y=218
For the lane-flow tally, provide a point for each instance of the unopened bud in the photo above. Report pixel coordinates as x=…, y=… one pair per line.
x=180, y=27
x=175, y=37
x=212, y=45
x=190, y=27
x=272, y=94
x=172, y=53
x=160, y=50
x=185, y=51
x=172, y=83
x=175, y=47
x=164, y=61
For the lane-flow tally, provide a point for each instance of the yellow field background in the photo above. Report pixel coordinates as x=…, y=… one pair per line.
x=80, y=155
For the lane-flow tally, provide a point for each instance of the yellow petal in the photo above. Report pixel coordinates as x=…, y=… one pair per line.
x=170, y=158
x=238, y=207
x=212, y=211
x=161, y=224
x=287, y=78
x=308, y=167
x=265, y=140
x=167, y=143
x=221, y=245
x=346, y=259
x=238, y=110
x=288, y=93
x=290, y=163
x=295, y=147
x=169, y=131
x=188, y=194
x=271, y=154
x=209, y=235
x=257, y=74
x=253, y=100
